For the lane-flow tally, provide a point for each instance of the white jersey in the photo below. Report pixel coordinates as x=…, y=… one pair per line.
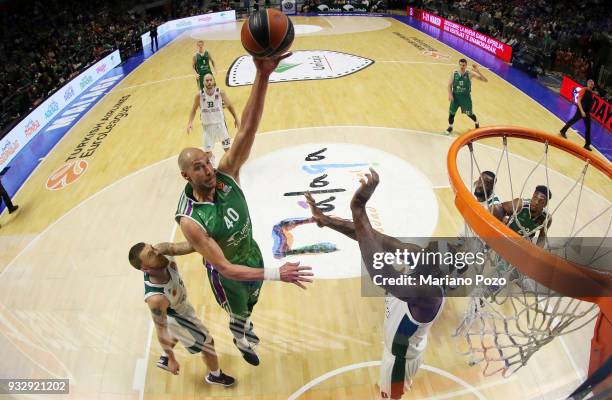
x=183, y=323
x=174, y=290
x=401, y=328
x=211, y=108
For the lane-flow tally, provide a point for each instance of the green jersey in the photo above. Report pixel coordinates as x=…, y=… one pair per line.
x=493, y=200
x=226, y=220
x=523, y=224
x=462, y=85
x=202, y=63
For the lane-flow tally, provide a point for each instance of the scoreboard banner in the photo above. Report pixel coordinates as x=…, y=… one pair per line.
x=487, y=43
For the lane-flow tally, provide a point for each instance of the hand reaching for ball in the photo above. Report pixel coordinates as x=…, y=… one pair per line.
x=267, y=65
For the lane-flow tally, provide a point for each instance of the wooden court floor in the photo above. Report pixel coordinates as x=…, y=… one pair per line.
x=71, y=306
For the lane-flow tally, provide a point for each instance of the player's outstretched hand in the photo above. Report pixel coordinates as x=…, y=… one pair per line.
x=365, y=191
x=173, y=366
x=163, y=248
x=267, y=65
x=475, y=67
x=317, y=214
x=295, y=273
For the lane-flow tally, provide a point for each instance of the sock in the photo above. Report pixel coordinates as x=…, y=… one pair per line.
x=237, y=327
x=163, y=354
x=216, y=373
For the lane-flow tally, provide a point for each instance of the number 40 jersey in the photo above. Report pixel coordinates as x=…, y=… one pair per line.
x=226, y=220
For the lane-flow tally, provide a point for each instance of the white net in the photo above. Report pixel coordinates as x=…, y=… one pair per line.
x=505, y=324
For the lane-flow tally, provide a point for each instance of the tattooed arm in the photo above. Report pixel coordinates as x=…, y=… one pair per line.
x=158, y=305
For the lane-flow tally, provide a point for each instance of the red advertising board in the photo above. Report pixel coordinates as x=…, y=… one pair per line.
x=601, y=110
x=493, y=46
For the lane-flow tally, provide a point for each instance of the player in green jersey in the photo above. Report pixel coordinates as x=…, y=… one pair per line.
x=529, y=216
x=203, y=64
x=484, y=191
x=214, y=217
x=459, y=89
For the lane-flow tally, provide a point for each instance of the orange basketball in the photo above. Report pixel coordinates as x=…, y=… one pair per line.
x=267, y=33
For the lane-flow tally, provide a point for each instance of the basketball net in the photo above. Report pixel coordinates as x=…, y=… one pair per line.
x=504, y=326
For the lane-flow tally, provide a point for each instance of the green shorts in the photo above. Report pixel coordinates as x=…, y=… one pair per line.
x=463, y=101
x=236, y=297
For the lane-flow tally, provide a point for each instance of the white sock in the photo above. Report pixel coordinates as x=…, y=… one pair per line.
x=216, y=373
x=163, y=354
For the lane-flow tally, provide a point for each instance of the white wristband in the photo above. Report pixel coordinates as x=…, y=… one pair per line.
x=272, y=274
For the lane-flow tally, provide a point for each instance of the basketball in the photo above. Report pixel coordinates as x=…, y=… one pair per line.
x=267, y=33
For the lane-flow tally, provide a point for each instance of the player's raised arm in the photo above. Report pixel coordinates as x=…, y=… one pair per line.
x=210, y=250
x=237, y=155
x=159, y=305
x=450, y=87
x=174, y=249
x=370, y=246
x=194, y=108
x=477, y=74
x=347, y=228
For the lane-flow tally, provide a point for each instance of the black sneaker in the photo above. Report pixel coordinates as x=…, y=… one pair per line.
x=163, y=363
x=448, y=130
x=563, y=134
x=588, y=147
x=477, y=125
x=251, y=337
x=248, y=354
x=12, y=210
x=222, y=379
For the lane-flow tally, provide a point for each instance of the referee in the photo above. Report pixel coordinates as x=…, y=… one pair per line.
x=584, y=102
x=4, y=197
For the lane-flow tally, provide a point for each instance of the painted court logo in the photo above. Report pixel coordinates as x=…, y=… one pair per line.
x=66, y=174
x=404, y=204
x=301, y=66
x=284, y=67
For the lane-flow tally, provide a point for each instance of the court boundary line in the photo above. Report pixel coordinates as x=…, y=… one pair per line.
x=367, y=364
x=174, y=78
x=416, y=62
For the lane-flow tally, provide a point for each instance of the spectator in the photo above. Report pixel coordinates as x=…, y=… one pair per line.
x=153, y=35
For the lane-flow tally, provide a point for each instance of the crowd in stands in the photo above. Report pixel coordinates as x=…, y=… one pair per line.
x=46, y=43
x=566, y=36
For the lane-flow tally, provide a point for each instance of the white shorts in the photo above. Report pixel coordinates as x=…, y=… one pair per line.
x=187, y=328
x=215, y=132
x=396, y=374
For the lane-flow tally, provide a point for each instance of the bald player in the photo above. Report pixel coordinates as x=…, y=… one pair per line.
x=211, y=101
x=214, y=217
